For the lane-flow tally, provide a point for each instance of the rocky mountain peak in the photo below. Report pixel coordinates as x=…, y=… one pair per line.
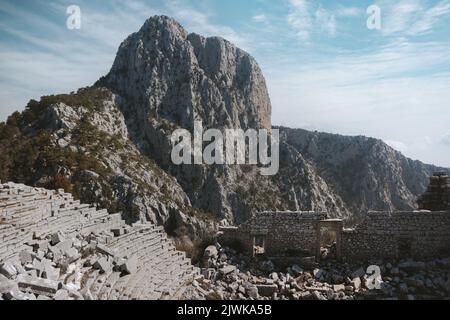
x=179, y=77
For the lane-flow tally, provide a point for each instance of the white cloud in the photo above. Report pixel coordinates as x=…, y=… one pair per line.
x=58, y=60
x=304, y=20
x=299, y=18
x=380, y=94
x=446, y=139
x=430, y=17
x=348, y=12
x=259, y=18
x=200, y=22
x=326, y=21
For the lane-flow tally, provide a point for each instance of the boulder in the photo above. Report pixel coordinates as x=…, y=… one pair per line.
x=267, y=290
x=8, y=270
x=356, y=283
x=297, y=269
x=358, y=273
x=6, y=284
x=25, y=257
x=37, y=286
x=227, y=269
x=319, y=273
x=105, y=250
x=130, y=266
x=103, y=265
x=211, y=252
x=57, y=238
x=318, y=296
x=61, y=295
x=252, y=292
x=338, y=287
x=403, y=288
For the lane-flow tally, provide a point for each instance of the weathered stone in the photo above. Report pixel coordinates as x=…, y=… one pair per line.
x=72, y=255
x=130, y=266
x=65, y=245
x=403, y=288
x=6, y=285
x=61, y=295
x=57, y=238
x=252, y=291
x=338, y=287
x=227, y=269
x=318, y=273
x=103, y=265
x=211, y=252
x=8, y=270
x=358, y=273
x=105, y=250
x=356, y=283
x=318, y=296
x=297, y=269
x=267, y=290
x=86, y=293
x=25, y=257
x=38, y=286
x=118, y=232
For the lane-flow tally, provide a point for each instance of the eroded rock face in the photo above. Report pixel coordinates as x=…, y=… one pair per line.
x=170, y=78
x=366, y=173
x=166, y=73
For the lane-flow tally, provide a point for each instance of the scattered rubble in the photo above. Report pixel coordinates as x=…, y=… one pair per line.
x=53, y=247
x=239, y=278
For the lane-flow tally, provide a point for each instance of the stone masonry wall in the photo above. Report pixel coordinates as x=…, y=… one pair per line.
x=285, y=233
x=418, y=234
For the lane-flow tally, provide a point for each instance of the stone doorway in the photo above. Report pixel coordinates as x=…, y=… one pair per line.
x=259, y=245
x=328, y=233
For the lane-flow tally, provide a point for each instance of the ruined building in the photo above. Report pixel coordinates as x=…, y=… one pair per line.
x=290, y=235
x=437, y=196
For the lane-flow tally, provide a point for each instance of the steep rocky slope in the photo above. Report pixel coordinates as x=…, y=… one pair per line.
x=365, y=172
x=110, y=144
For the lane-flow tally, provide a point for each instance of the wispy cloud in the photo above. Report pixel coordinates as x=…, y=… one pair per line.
x=445, y=140
x=411, y=17
x=348, y=11
x=392, y=93
x=259, y=18
x=306, y=18
x=299, y=18
x=58, y=60
x=326, y=21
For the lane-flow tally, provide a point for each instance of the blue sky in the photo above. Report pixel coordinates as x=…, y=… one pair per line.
x=324, y=68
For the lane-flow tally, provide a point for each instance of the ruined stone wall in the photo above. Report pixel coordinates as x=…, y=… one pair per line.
x=418, y=234
x=285, y=233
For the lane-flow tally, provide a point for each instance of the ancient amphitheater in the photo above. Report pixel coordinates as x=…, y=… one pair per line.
x=53, y=247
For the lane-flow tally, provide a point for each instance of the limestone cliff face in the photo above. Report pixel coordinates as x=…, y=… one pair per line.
x=166, y=73
x=110, y=143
